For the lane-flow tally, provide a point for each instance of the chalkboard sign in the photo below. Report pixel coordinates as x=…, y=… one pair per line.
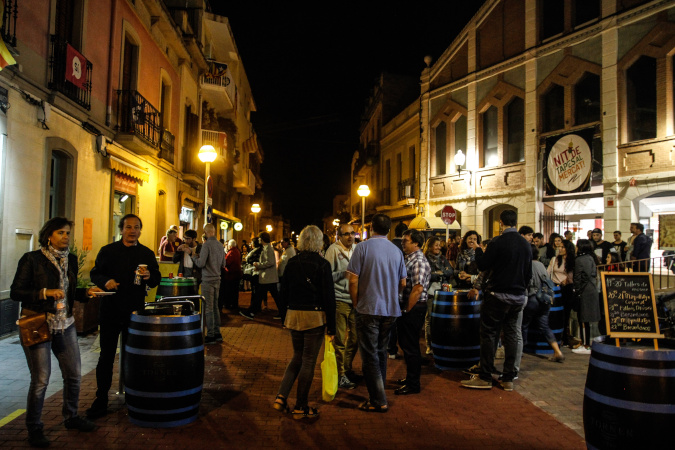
x=630, y=307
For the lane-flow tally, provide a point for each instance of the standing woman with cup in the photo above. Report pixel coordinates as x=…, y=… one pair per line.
x=45, y=282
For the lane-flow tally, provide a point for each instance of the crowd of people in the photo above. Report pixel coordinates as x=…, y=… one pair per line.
x=368, y=298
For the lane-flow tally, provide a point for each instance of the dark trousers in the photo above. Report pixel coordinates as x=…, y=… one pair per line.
x=409, y=327
x=260, y=293
x=392, y=348
x=537, y=313
x=567, y=297
x=229, y=293
x=306, y=346
x=496, y=315
x=111, y=327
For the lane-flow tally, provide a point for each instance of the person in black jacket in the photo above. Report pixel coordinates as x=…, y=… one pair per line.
x=508, y=261
x=43, y=278
x=115, y=270
x=307, y=289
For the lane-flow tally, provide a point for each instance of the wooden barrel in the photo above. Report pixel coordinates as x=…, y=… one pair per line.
x=629, y=400
x=455, y=326
x=536, y=341
x=164, y=369
x=177, y=287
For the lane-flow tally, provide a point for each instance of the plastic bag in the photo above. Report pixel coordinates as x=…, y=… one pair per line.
x=329, y=373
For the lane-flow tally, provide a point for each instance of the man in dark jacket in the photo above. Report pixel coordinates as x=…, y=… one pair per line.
x=642, y=248
x=183, y=256
x=115, y=270
x=508, y=262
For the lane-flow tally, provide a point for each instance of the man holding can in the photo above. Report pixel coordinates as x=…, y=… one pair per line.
x=116, y=268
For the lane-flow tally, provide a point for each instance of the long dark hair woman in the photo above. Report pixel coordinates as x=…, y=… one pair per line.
x=441, y=272
x=585, y=276
x=466, y=259
x=561, y=271
x=307, y=288
x=46, y=279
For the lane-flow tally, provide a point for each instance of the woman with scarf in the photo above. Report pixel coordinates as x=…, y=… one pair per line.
x=441, y=272
x=44, y=278
x=561, y=271
x=466, y=260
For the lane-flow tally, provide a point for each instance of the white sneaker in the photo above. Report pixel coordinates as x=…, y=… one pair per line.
x=582, y=351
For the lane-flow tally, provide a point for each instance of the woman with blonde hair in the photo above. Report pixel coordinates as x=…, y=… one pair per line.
x=307, y=289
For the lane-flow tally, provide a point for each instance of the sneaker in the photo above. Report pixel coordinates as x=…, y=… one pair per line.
x=353, y=376
x=392, y=356
x=208, y=340
x=219, y=337
x=476, y=383
x=78, y=423
x=473, y=370
x=506, y=385
x=582, y=351
x=98, y=409
x=247, y=314
x=36, y=438
x=499, y=354
x=345, y=383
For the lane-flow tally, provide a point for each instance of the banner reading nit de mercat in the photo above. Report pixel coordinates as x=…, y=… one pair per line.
x=568, y=162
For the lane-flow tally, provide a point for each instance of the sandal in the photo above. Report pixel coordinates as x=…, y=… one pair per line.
x=305, y=413
x=370, y=407
x=280, y=404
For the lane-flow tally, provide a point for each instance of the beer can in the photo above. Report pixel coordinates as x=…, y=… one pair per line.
x=170, y=274
x=446, y=287
x=180, y=275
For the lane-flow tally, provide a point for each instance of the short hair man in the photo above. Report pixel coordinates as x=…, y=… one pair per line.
x=642, y=248
x=211, y=259
x=346, y=340
x=527, y=233
x=289, y=252
x=413, y=309
x=376, y=273
x=569, y=235
x=509, y=258
x=268, y=278
x=183, y=256
x=115, y=270
x=601, y=247
x=538, y=240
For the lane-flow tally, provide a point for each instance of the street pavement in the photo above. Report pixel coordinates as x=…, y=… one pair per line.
x=242, y=376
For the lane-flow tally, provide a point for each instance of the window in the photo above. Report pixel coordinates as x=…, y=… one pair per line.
x=587, y=99
x=441, y=141
x=164, y=105
x=553, y=18
x=515, y=131
x=460, y=137
x=68, y=21
x=411, y=162
x=399, y=168
x=58, y=184
x=130, y=65
x=490, y=137
x=123, y=204
x=641, y=99
x=585, y=11
x=553, y=107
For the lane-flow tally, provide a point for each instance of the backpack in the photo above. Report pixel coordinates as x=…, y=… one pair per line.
x=545, y=293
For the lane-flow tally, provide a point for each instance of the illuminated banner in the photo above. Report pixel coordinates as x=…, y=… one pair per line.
x=76, y=67
x=568, y=162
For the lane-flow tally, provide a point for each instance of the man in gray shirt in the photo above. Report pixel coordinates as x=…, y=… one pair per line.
x=211, y=260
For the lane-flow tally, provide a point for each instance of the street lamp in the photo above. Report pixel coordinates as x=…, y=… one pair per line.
x=269, y=228
x=207, y=154
x=336, y=224
x=255, y=209
x=363, y=191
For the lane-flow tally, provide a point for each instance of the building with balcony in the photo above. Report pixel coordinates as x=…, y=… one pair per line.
x=569, y=120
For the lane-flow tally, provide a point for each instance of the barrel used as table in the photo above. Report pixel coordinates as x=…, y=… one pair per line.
x=455, y=327
x=536, y=341
x=629, y=400
x=177, y=287
x=164, y=369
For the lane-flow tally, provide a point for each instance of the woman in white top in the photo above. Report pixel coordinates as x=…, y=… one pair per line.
x=561, y=270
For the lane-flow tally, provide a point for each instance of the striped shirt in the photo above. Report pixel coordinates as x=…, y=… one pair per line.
x=419, y=272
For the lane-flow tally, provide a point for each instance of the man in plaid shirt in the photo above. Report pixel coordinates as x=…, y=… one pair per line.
x=413, y=309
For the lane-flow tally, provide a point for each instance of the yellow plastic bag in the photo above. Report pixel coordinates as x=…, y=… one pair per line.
x=329, y=373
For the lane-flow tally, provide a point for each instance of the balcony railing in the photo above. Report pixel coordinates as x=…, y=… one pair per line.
x=216, y=138
x=137, y=116
x=57, y=74
x=166, y=146
x=9, y=22
x=406, y=189
x=661, y=268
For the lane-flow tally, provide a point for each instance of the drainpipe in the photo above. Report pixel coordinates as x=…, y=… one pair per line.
x=111, y=48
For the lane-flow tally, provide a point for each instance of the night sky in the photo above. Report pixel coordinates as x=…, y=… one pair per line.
x=311, y=73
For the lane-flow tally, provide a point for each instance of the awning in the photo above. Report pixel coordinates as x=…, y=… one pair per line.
x=185, y=196
x=432, y=223
x=132, y=170
x=225, y=215
x=250, y=145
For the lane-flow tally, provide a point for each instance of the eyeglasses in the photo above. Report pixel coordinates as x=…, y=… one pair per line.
x=349, y=233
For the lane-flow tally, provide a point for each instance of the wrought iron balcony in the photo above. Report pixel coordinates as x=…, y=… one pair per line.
x=406, y=189
x=9, y=22
x=137, y=116
x=57, y=74
x=166, y=146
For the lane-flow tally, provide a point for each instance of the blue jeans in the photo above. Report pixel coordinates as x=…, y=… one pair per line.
x=496, y=315
x=306, y=346
x=67, y=351
x=537, y=313
x=373, y=333
x=210, y=290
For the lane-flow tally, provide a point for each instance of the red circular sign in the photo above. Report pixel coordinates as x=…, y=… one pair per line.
x=448, y=215
x=209, y=184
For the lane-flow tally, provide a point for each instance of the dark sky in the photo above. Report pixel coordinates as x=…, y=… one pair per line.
x=311, y=72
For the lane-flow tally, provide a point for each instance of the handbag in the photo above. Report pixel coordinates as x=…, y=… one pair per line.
x=329, y=373
x=34, y=329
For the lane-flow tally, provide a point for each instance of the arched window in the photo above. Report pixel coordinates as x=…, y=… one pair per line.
x=491, y=137
x=515, y=131
x=441, y=145
x=553, y=108
x=587, y=99
x=641, y=99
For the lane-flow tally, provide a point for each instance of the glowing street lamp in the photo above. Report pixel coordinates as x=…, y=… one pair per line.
x=269, y=228
x=207, y=154
x=363, y=191
x=255, y=209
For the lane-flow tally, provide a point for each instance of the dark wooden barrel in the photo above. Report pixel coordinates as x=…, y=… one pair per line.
x=455, y=326
x=177, y=287
x=629, y=400
x=536, y=341
x=164, y=369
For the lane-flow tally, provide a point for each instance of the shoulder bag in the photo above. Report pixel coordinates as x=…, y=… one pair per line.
x=34, y=329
